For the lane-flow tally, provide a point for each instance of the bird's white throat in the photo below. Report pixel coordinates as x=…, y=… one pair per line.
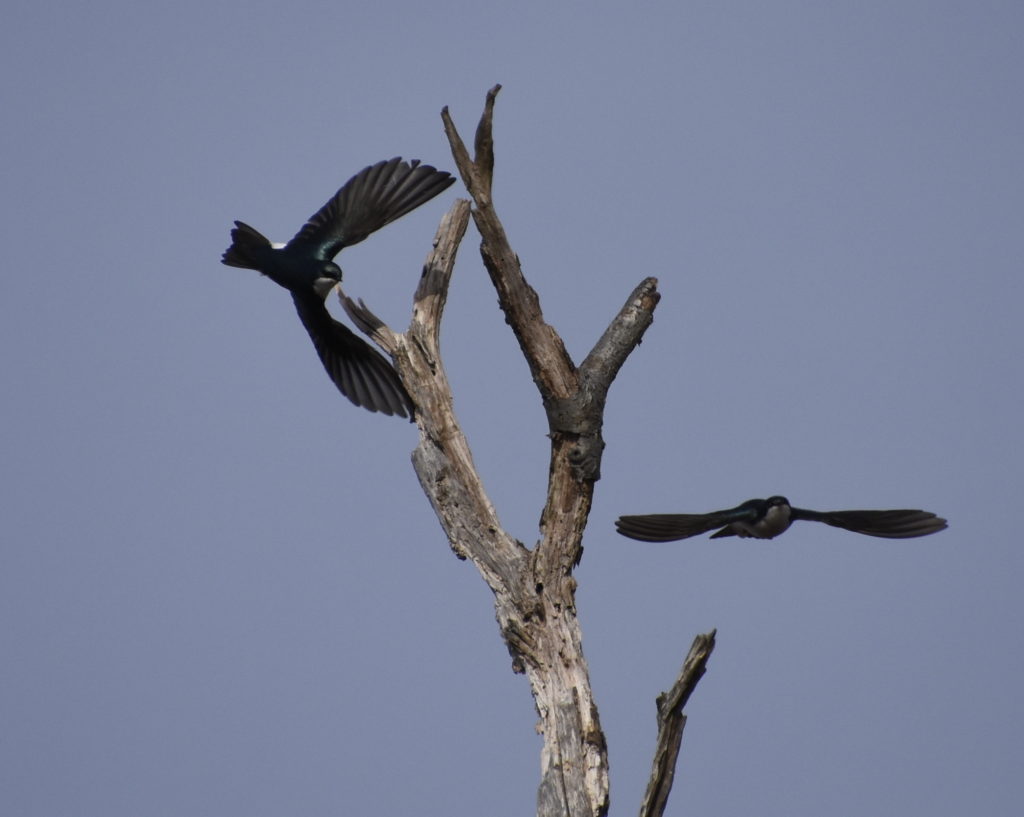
x=324, y=286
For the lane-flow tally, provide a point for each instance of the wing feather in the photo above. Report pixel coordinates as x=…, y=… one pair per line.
x=374, y=197
x=894, y=524
x=359, y=371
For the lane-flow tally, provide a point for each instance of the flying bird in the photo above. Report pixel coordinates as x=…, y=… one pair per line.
x=375, y=196
x=767, y=518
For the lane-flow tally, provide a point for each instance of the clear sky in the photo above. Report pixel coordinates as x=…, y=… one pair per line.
x=221, y=589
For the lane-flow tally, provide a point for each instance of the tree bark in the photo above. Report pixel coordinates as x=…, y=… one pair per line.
x=534, y=590
x=671, y=722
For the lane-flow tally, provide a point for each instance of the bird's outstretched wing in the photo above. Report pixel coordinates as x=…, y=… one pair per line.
x=667, y=527
x=375, y=196
x=897, y=524
x=359, y=371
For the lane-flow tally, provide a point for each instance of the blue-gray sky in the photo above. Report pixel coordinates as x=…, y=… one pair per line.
x=222, y=591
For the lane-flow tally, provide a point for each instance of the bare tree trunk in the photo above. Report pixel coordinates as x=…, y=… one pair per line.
x=534, y=590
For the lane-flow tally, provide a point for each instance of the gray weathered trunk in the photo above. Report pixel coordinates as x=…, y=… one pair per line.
x=534, y=589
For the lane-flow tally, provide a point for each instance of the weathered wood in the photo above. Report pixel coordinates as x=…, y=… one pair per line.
x=671, y=722
x=534, y=590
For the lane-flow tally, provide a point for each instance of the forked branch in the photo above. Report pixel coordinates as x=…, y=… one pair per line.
x=534, y=590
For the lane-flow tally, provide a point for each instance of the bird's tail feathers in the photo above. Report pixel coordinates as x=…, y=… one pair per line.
x=247, y=244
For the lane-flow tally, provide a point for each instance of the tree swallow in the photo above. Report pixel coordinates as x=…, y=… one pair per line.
x=767, y=518
x=375, y=196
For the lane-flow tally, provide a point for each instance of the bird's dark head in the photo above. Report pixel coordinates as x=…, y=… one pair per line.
x=774, y=501
x=328, y=276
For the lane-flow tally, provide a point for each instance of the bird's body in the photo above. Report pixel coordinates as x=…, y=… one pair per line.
x=372, y=198
x=767, y=518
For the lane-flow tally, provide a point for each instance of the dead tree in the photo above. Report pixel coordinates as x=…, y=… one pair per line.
x=534, y=589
